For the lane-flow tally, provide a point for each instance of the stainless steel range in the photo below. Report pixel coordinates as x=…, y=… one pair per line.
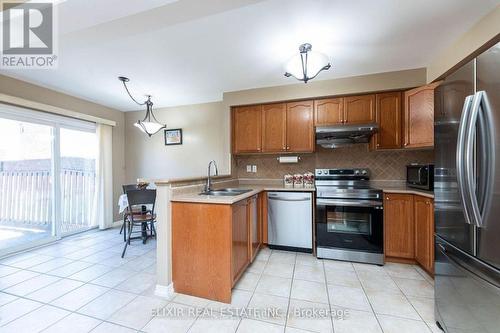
x=349, y=216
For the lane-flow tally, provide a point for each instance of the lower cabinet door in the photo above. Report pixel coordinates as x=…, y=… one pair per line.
x=424, y=229
x=254, y=226
x=399, y=227
x=240, y=256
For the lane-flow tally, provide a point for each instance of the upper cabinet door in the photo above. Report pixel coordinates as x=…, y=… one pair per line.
x=274, y=127
x=419, y=117
x=247, y=129
x=388, y=117
x=328, y=111
x=300, y=126
x=359, y=109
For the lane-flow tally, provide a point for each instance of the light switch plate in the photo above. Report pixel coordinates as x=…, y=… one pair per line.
x=254, y=168
x=249, y=168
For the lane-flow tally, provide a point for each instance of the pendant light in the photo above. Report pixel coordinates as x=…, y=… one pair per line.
x=149, y=124
x=307, y=64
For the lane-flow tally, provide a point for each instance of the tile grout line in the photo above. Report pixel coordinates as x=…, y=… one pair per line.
x=368, y=299
x=328, y=295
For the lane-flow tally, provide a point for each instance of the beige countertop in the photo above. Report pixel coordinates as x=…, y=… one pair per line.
x=228, y=200
x=408, y=190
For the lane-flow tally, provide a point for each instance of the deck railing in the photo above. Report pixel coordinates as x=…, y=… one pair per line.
x=26, y=198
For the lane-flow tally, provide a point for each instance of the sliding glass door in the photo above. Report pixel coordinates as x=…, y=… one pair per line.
x=78, y=179
x=26, y=184
x=35, y=206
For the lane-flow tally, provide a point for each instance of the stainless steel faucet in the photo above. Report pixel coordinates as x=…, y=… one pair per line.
x=208, y=186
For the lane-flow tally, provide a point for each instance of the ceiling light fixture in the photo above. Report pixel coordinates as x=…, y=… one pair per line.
x=307, y=65
x=146, y=125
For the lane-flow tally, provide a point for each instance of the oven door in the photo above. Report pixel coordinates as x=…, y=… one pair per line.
x=350, y=224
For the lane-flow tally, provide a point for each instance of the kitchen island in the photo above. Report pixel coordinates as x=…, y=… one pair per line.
x=215, y=238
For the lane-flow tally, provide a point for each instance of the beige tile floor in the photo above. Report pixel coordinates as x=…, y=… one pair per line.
x=80, y=284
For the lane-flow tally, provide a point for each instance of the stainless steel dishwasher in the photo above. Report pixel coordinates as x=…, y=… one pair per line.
x=289, y=218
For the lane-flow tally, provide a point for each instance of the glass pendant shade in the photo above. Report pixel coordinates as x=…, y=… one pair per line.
x=307, y=64
x=149, y=127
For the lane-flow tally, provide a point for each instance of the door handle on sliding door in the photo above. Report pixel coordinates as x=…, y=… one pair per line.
x=460, y=157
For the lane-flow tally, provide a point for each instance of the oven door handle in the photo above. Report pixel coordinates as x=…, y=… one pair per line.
x=349, y=203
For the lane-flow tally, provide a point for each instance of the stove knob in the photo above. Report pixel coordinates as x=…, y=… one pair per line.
x=356, y=172
x=364, y=172
x=320, y=172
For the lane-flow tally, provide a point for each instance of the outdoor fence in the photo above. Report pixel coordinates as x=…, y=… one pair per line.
x=26, y=198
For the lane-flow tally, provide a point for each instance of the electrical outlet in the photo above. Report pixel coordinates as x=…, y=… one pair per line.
x=249, y=168
x=254, y=168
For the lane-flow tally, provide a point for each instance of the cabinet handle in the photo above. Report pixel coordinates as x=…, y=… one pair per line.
x=287, y=148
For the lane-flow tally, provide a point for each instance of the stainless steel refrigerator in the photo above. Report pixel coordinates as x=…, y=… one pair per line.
x=467, y=197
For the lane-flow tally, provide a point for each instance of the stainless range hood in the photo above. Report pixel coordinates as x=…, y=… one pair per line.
x=344, y=135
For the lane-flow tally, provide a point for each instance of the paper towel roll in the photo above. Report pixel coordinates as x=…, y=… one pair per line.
x=288, y=159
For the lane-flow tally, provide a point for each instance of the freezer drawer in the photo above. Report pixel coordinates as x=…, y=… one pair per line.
x=467, y=293
x=289, y=218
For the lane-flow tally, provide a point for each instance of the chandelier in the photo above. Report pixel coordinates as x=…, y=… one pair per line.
x=307, y=64
x=149, y=124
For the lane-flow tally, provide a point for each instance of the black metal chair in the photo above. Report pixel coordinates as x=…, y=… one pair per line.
x=128, y=211
x=140, y=198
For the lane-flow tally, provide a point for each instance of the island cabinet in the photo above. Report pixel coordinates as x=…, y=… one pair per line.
x=424, y=232
x=399, y=226
x=212, y=245
x=240, y=240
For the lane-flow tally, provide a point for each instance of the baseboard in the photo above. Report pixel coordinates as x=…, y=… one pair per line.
x=164, y=291
x=401, y=260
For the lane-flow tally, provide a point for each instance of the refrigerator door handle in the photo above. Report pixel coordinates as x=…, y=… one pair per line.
x=460, y=157
x=479, y=103
x=486, y=173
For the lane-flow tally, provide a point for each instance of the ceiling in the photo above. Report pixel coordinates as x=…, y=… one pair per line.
x=191, y=51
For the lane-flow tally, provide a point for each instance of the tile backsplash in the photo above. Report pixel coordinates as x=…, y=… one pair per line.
x=384, y=165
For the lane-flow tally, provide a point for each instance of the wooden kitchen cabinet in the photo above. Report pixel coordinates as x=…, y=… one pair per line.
x=424, y=232
x=254, y=226
x=359, y=109
x=247, y=129
x=329, y=111
x=300, y=127
x=274, y=127
x=388, y=117
x=418, y=129
x=240, y=239
x=399, y=226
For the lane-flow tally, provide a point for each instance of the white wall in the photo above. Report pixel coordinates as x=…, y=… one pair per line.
x=203, y=140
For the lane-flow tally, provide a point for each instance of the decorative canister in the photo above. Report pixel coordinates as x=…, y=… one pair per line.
x=298, y=180
x=288, y=180
x=309, y=179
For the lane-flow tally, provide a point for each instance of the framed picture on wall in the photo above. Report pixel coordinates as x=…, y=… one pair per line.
x=173, y=136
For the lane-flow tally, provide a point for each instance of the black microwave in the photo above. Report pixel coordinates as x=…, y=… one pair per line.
x=420, y=176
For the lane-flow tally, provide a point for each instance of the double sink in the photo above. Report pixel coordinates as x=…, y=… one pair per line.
x=226, y=191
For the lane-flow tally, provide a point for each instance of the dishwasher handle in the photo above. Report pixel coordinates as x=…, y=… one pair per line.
x=288, y=199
